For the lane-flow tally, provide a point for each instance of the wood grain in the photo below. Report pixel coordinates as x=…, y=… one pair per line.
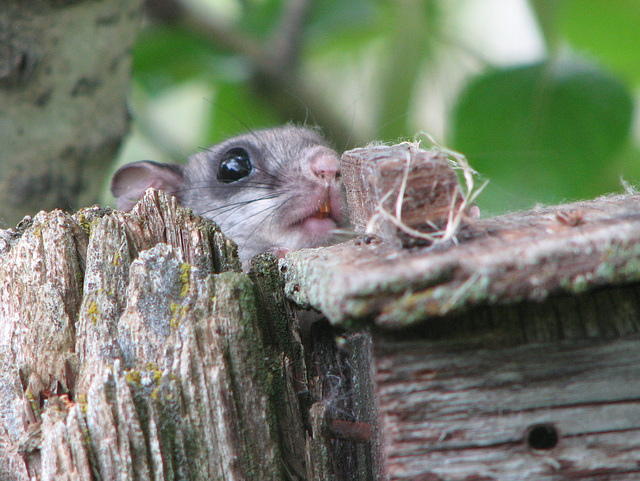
x=132, y=347
x=510, y=259
x=454, y=411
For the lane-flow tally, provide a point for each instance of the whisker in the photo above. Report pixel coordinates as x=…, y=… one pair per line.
x=238, y=205
x=214, y=186
x=253, y=215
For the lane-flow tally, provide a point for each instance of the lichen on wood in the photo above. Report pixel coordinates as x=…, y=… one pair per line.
x=513, y=258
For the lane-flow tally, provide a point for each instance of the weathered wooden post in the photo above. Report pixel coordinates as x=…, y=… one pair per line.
x=134, y=348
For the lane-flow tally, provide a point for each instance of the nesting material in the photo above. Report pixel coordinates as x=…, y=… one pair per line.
x=407, y=195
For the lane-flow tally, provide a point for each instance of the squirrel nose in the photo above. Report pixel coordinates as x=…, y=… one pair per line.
x=325, y=165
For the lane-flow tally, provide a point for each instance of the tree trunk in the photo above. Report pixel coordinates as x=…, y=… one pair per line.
x=134, y=348
x=64, y=80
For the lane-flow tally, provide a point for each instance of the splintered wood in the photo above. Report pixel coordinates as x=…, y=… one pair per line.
x=133, y=347
x=403, y=194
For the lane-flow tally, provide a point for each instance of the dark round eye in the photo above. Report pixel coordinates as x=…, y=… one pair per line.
x=235, y=165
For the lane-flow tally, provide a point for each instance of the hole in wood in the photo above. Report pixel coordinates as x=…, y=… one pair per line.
x=542, y=436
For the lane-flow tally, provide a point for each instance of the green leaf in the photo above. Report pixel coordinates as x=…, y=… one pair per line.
x=409, y=49
x=259, y=17
x=165, y=56
x=236, y=109
x=337, y=26
x=607, y=30
x=547, y=131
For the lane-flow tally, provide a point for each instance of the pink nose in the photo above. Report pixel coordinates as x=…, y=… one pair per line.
x=325, y=165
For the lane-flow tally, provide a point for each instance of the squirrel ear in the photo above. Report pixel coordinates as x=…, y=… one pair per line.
x=131, y=180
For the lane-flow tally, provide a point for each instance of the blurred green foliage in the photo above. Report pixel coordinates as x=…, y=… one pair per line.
x=542, y=131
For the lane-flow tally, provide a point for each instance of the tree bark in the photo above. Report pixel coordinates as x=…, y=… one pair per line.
x=64, y=79
x=132, y=347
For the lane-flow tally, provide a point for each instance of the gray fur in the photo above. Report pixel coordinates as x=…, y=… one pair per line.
x=257, y=211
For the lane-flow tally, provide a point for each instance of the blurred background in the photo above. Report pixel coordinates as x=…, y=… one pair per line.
x=540, y=95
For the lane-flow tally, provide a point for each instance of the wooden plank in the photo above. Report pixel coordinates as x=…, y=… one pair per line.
x=453, y=411
x=527, y=256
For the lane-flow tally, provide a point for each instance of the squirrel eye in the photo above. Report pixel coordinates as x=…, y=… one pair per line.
x=235, y=165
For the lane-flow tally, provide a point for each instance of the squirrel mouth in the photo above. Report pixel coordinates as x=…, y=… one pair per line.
x=323, y=212
x=318, y=223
